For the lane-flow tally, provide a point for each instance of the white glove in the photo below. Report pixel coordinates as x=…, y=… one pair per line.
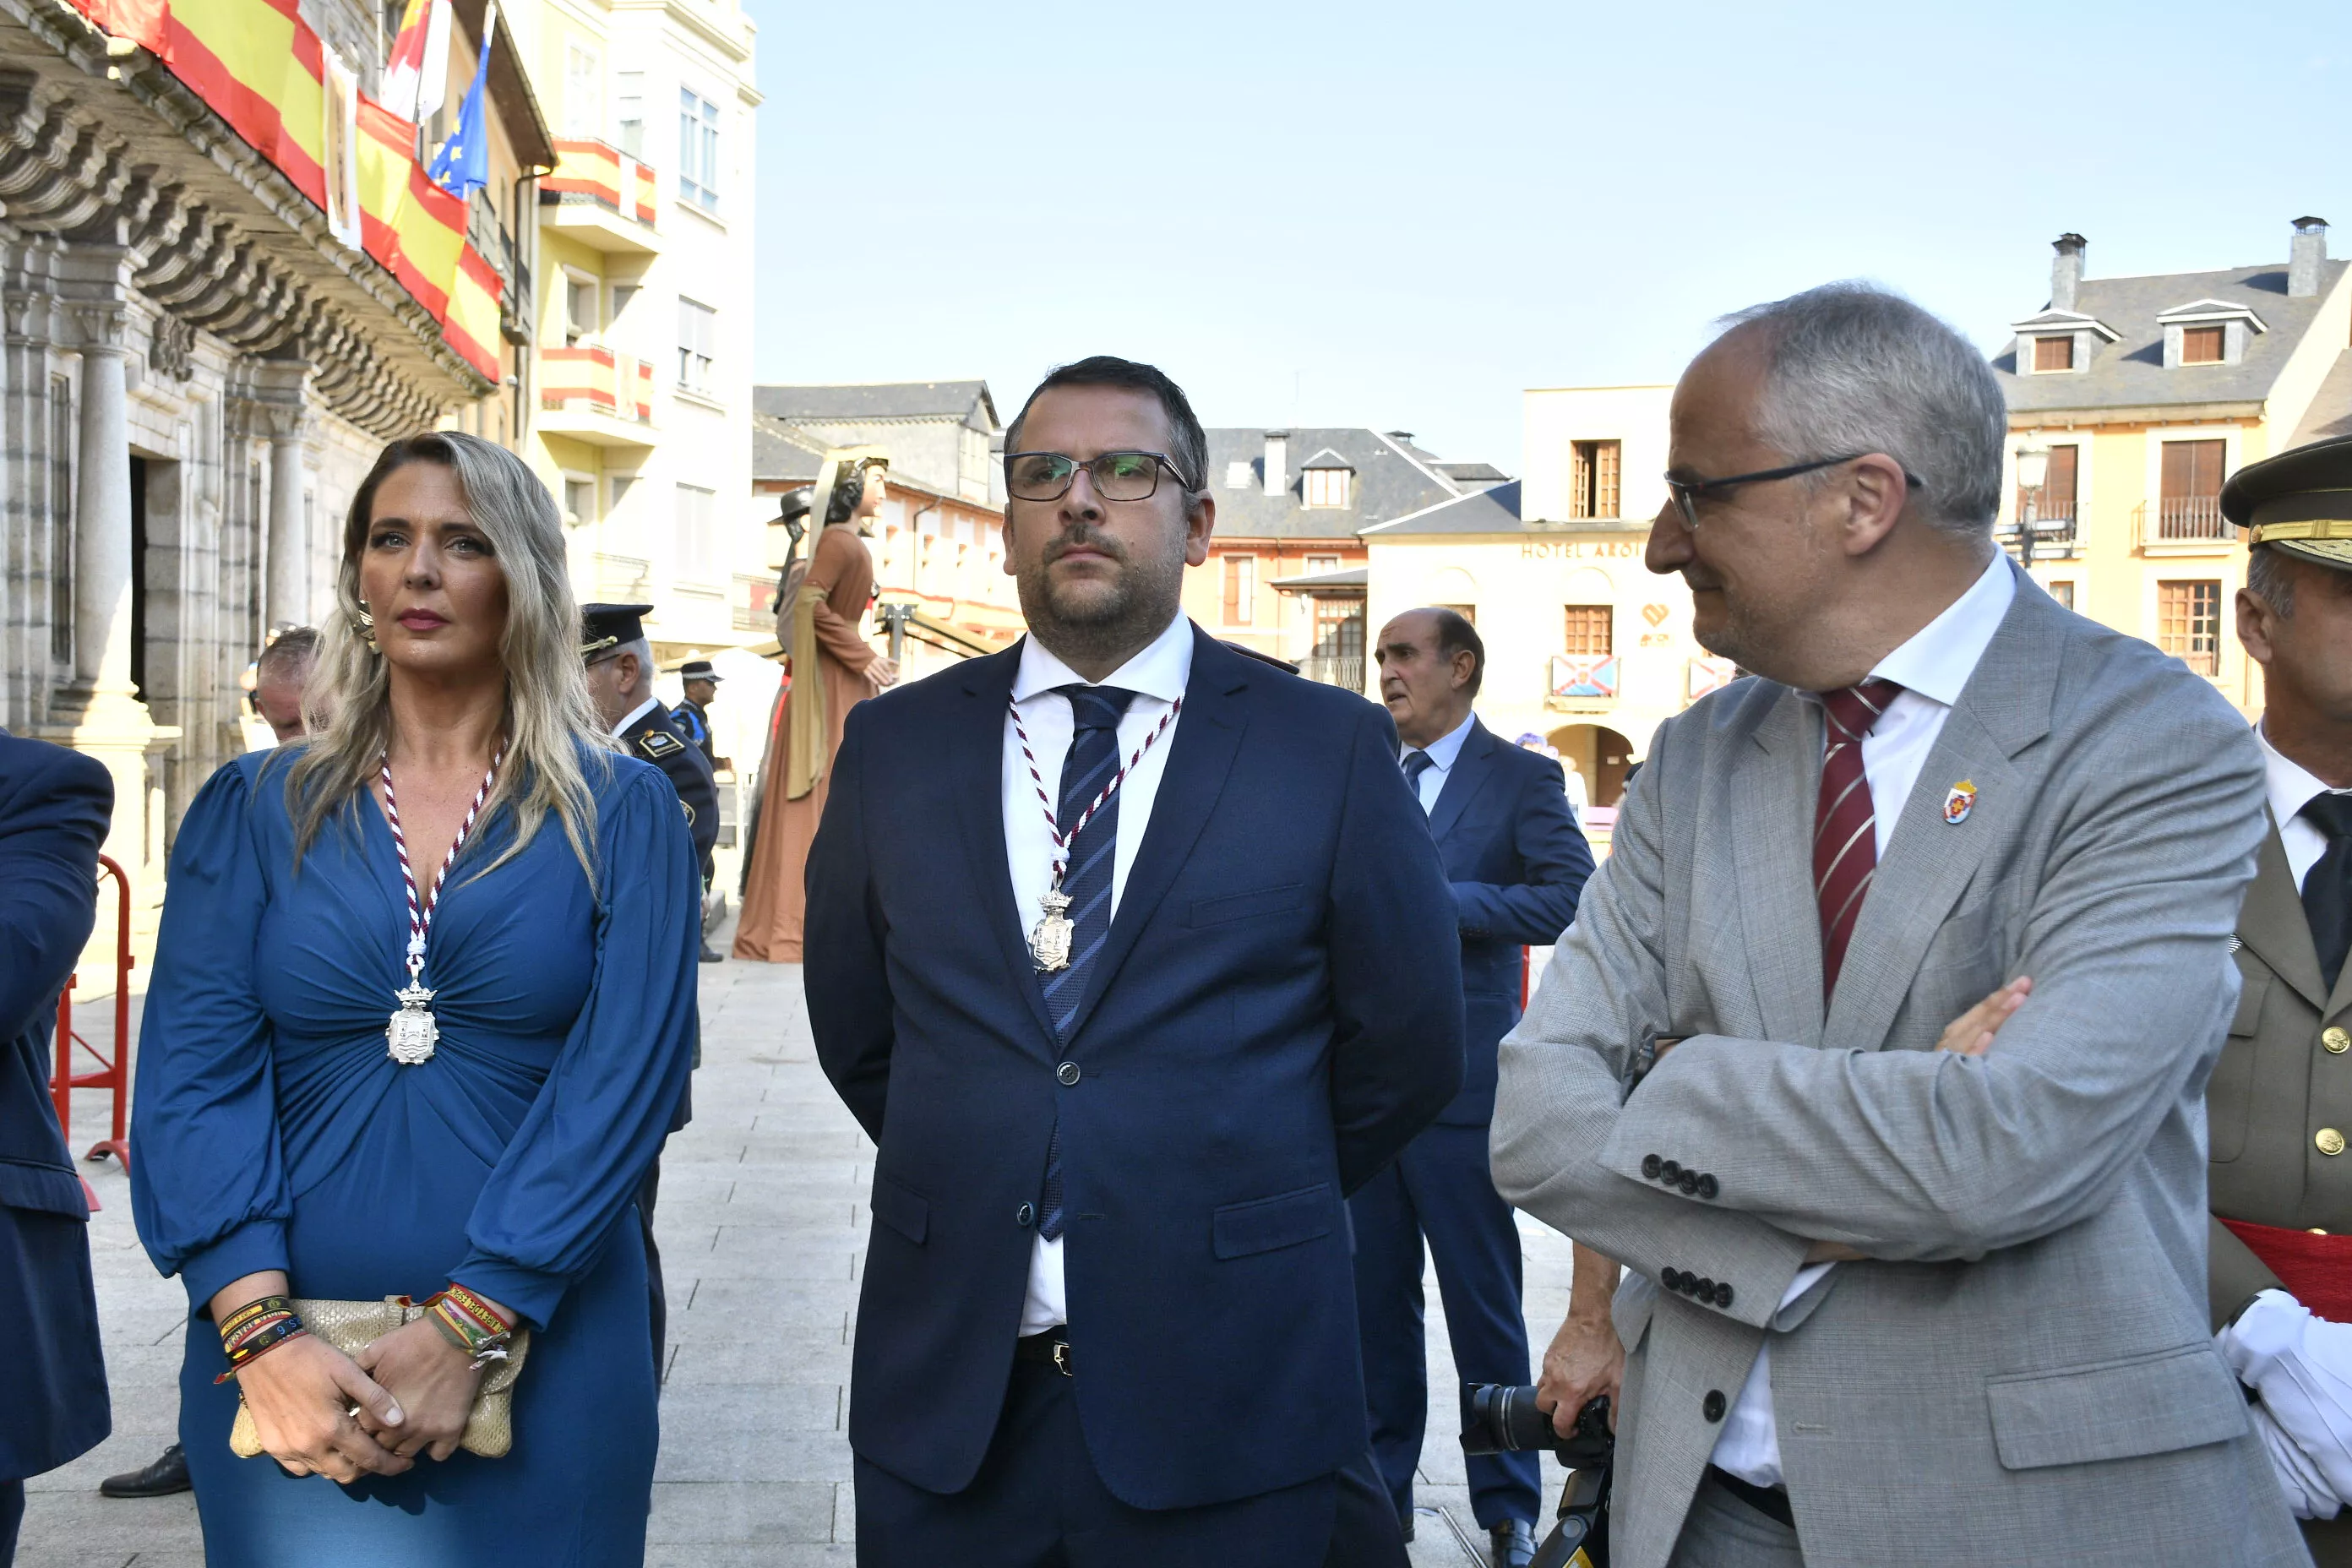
x=2301, y=1367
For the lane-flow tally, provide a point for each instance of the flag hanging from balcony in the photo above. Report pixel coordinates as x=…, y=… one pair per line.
x=1583, y=677
x=463, y=164
x=416, y=77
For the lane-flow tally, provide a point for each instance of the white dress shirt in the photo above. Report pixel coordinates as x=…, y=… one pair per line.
x=2292, y=787
x=634, y=714
x=1156, y=677
x=1442, y=754
x=1931, y=667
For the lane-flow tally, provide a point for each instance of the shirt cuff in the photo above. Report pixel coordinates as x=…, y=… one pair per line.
x=250, y=1248
x=531, y=1294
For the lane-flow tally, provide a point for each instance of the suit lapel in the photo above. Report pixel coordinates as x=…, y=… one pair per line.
x=2272, y=922
x=1200, y=755
x=1772, y=787
x=974, y=752
x=2004, y=708
x=1468, y=775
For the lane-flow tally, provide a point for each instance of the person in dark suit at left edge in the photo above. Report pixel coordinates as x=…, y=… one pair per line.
x=54, y=808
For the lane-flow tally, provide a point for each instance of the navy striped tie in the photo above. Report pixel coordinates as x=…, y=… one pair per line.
x=1093, y=762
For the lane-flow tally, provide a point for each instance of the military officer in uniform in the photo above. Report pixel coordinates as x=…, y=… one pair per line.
x=620, y=679
x=2279, y=1107
x=692, y=716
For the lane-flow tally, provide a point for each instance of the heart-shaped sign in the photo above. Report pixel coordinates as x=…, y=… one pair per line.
x=1655, y=614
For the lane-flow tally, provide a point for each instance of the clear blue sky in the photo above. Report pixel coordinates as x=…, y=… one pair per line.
x=1401, y=215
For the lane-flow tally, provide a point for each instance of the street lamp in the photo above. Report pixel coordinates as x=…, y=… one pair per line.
x=2032, y=470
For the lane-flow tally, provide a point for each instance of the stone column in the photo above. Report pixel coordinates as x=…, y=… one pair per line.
x=289, y=598
x=101, y=472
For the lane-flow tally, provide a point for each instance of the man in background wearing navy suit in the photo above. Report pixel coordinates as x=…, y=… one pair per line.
x=54, y=808
x=1499, y=815
x=1133, y=957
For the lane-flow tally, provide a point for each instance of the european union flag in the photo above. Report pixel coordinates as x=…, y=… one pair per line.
x=463, y=164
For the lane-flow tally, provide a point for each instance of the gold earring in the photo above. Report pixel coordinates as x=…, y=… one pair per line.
x=367, y=628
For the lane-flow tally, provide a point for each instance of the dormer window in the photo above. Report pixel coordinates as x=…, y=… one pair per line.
x=2208, y=332
x=2054, y=354
x=2057, y=343
x=1325, y=480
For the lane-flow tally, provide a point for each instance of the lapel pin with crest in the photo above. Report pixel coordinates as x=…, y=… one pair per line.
x=1961, y=801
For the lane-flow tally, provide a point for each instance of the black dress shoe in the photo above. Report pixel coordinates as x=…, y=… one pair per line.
x=1515, y=1543
x=712, y=956
x=161, y=1479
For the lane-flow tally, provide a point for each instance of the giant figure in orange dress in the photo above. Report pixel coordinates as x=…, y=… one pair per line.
x=833, y=669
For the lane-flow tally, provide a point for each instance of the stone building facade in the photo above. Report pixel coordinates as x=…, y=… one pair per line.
x=195, y=374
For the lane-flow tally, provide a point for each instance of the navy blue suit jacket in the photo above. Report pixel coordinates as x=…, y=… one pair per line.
x=54, y=808
x=1519, y=863
x=1276, y=1012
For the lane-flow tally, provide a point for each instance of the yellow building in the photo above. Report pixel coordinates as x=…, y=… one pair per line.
x=1585, y=647
x=2132, y=399
x=641, y=388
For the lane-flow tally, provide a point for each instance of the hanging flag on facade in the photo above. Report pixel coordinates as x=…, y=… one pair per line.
x=416, y=77
x=463, y=164
x=338, y=143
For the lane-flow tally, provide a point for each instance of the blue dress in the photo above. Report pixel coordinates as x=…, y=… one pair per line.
x=275, y=1131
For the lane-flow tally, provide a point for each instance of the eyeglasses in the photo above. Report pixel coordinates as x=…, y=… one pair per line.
x=1687, y=491
x=1116, y=476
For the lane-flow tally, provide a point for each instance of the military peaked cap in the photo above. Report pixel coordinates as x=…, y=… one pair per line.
x=2299, y=501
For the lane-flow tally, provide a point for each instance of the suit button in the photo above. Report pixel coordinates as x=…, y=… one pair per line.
x=1025, y=1215
x=1723, y=1294
x=1670, y=1171
x=2330, y=1141
x=1068, y=1072
x=1651, y=1164
x=1689, y=1182
x=1712, y=1405
x=1705, y=1291
x=2336, y=1040
x=1672, y=1278
x=1706, y=1185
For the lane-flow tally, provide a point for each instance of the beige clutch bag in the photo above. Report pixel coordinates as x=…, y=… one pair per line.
x=348, y=1325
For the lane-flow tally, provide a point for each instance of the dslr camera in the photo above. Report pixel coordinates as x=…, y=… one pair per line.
x=1501, y=1418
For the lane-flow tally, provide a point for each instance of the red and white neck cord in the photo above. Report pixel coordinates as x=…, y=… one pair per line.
x=420, y=919
x=1062, y=840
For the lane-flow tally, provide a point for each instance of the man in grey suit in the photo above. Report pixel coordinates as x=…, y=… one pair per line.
x=1889, y=1304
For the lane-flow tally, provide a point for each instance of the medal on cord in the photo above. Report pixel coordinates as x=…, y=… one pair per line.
x=412, y=1033
x=1050, y=939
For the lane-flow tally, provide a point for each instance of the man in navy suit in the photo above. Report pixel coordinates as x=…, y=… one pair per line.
x=53, y=806
x=1516, y=862
x=1133, y=955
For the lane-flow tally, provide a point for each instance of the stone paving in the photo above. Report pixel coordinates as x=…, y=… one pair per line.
x=763, y=1225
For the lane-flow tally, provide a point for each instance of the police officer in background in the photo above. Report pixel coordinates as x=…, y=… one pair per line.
x=621, y=682
x=2279, y=1107
x=692, y=716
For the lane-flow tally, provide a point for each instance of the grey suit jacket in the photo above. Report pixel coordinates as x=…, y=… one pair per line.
x=2023, y=1372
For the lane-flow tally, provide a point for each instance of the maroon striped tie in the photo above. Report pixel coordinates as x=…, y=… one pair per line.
x=1846, y=836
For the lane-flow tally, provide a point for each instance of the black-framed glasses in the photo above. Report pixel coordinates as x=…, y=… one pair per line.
x=1116, y=476
x=1687, y=491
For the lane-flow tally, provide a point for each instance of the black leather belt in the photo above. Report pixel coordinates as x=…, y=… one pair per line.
x=1051, y=1347
x=1770, y=1501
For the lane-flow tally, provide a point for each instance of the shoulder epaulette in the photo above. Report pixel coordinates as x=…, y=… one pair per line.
x=659, y=743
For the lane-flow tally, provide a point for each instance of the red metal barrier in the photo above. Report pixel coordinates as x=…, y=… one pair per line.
x=1527, y=974
x=112, y=1075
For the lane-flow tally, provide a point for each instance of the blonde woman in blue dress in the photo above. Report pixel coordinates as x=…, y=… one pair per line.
x=422, y=1006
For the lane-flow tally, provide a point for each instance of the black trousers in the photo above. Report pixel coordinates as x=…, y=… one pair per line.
x=12, y=1515
x=1038, y=1502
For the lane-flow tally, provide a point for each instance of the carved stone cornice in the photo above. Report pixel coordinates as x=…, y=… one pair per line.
x=190, y=244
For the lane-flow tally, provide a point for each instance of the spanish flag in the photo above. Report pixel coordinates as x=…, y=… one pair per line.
x=472, y=328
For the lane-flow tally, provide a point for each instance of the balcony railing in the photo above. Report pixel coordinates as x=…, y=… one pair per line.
x=590, y=376
x=491, y=240
x=2053, y=529
x=2182, y=520
x=590, y=170
x=620, y=577
x=753, y=602
x=1343, y=671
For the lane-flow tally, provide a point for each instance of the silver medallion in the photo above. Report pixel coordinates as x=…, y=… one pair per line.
x=410, y=1034
x=1049, y=940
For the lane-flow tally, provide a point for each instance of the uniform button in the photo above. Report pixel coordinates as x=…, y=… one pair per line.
x=1705, y=1291
x=1706, y=1185
x=2330, y=1141
x=1650, y=1165
x=2316, y=1231
x=2337, y=1039
x=1672, y=1278
x=1025, y=1215
x=1670, y=1171
x=1712, y=1405
x=1068, y=1072
x=1723, y=1294
x=1689, y=1183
